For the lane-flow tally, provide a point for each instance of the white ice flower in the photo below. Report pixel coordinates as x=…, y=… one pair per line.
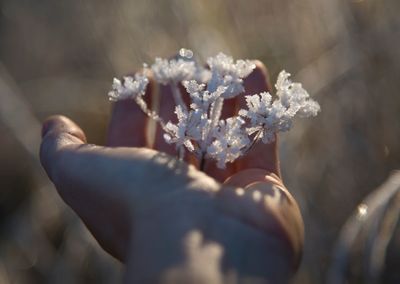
x=193, y=86
x=128, y=87
x=189, y=128
x=225, y=64
x=202, y=75
x=229, y=141
x=200, y=97
x=199, y=128
x=268, y=117
x=174, y=70
x=226, y=72
x=294, y=97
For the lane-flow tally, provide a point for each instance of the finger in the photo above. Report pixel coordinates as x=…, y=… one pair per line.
x=246, y=177
x=69, y=161
x=105, y=216
x=219, y=174
x=166, y=111
x=77, y=168
x=58, y=131
x=128, y=123
x=105, y=186
x=262, y=156
x=268, y=206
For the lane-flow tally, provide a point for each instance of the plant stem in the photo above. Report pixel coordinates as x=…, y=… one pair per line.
x=255, y=140
x=216, y=111
x=176, y=93
x=215, y=115
x=181, y=153
x=153, y=115
x=202, y=163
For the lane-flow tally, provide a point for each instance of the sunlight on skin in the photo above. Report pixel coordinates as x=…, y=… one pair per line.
x=239, y=191
x=203, y=262
x=256, y=184
x=257, y=196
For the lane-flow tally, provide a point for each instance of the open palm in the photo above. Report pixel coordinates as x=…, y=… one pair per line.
x=168, y=221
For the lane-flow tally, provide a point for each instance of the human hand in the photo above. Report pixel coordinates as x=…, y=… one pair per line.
x=165, y=219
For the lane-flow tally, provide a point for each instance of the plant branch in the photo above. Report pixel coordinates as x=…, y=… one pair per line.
x=176, y=93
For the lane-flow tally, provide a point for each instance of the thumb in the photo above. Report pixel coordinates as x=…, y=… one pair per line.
x=58, y=132
x=64, y=156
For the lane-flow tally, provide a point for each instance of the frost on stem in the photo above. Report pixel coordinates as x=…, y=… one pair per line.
x=201, y=98
x=199, y=128
x=225, y=72
x=173, y=71
x=133, y=88
x=194, y=125
x=229, y=141
x=187, y=129
x=269, y=117
x=128, y=88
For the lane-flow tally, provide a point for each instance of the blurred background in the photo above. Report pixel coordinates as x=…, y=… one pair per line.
x=60, y=57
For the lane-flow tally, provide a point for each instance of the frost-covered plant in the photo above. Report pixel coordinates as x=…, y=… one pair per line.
x=199, y=128
x=128, y=88
x=268, y=117
x=225, y=72
x=229, y=140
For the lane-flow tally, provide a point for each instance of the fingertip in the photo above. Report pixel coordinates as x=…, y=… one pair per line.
x=128, y=123
x=260, y=199
x=263, y=156
x=248, y=176
x=60, y=124
x=58, y=131
x=258, y=80
x=260, y=67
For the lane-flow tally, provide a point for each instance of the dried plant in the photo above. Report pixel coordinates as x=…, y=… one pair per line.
x=199, y=128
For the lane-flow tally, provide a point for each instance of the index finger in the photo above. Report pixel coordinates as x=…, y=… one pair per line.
x=261, y=156
x=128, y=123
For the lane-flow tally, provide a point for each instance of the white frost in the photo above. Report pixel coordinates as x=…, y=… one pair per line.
x=128, y=88
x=268, y=117
x=199, y=128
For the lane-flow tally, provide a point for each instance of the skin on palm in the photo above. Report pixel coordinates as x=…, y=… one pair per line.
x=144, y=206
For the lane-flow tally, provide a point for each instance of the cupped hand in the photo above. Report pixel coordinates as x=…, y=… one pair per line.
x=167, y=220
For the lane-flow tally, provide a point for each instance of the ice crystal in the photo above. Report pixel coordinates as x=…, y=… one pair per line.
x=268, y=117
x=225, y=72
x=128, y=87
x=229, y=141
x=199, y=127
x=200, y=97
x=173, y=71
x=187, y=129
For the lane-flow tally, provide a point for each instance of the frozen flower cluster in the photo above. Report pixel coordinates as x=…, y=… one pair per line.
x=229, y=141
x=268, y=117
x=225, y=72
x=199, y=128
x=173, y=71
x=128, y=88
